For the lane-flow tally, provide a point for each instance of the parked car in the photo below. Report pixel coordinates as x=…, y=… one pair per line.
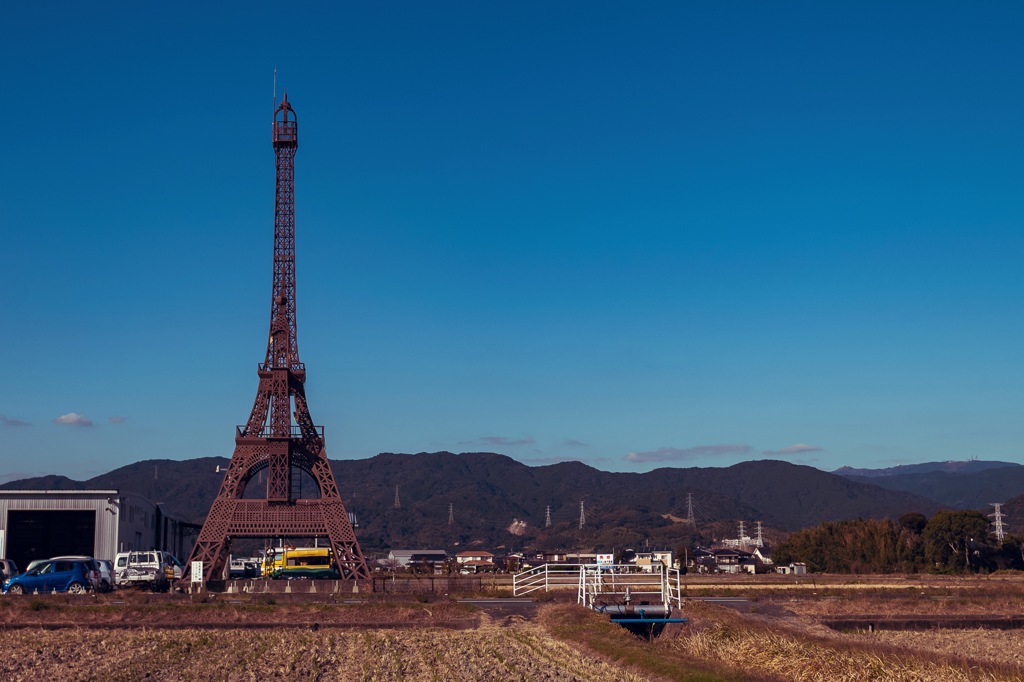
x=106, y=575
x=120, y=569
x=239, y=569
x=94, y=572
x=8, y=569
x=95, y=578
x=61, y=574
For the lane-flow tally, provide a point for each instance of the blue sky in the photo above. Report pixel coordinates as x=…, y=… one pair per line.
x=661, y=234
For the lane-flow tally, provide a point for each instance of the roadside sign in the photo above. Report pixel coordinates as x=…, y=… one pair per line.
x=197, y=571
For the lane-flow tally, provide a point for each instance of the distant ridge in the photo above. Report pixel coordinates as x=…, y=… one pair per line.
x=962, y=491
x=51, y=482
x=488, y=491
x=951, y=467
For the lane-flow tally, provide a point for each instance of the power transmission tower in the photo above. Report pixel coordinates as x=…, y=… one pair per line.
x=398, y=502
x=451, y=513
x=760, y=535
x=742, y=534
x=689, y=510
x=998, y=523
x=583, y=516
x=547, y=517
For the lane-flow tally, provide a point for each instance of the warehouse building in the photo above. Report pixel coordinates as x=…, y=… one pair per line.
x=38, y=524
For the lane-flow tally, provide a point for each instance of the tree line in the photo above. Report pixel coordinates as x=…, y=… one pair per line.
x=948, y=542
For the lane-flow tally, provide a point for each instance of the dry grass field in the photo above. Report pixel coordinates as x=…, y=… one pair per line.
x=489, y=653
x=777, y=635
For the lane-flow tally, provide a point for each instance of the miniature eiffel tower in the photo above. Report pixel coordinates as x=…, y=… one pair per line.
x=280, y=436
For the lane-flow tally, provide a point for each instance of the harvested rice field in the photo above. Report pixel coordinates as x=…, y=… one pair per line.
x=490, y=653
x=763, y=636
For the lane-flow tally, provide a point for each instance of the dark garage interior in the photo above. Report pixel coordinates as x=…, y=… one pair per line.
x=33, y=534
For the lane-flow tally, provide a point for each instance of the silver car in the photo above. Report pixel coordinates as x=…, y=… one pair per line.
x=106, y=569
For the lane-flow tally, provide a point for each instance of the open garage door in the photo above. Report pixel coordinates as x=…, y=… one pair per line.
x=33, y=534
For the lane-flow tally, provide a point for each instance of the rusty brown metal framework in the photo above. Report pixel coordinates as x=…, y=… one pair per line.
x=271, y=440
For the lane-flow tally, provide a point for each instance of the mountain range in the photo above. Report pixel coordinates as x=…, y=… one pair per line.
x=960, y=485
x=969, y=466
x=448, y=500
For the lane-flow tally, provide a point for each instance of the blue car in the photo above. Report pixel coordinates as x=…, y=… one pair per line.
x=62, y=575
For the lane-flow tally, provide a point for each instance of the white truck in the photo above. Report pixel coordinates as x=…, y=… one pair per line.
x=151, y=569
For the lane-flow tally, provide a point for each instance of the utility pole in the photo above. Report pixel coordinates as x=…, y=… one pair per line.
x=547, y=517
x=998, y=523
x=583, y=516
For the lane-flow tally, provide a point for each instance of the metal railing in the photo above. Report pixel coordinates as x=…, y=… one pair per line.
x=608, y=582
x=295, y=431
x=603, y=584
x=545, y=577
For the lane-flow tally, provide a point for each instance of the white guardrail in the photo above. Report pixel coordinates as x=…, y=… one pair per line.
x=545, y=578
x=595, y=582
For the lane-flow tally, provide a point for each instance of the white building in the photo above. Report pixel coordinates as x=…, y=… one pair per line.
x=38, y=524
x=411, y=557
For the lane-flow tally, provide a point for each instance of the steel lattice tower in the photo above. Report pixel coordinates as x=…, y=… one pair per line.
x=998, y=523
x=280, y=436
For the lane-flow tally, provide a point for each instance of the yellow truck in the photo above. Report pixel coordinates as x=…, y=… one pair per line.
x=290, y=563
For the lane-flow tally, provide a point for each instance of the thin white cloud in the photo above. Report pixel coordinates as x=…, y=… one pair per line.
x=795, y=449
x=117, y=420
x=500, y=441
x=684, y=454
x=73, y=419
x=8, y=421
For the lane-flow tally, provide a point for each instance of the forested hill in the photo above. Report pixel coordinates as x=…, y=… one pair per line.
x=486, y=492
x=969, y=490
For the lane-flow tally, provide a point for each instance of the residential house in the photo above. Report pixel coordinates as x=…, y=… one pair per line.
x=648, y=561
x=763, y=554
x=475, y=561
x=731, y=560
x=792, y=569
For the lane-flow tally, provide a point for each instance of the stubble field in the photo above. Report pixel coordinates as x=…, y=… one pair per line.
x=774, y=635
x=517, y=653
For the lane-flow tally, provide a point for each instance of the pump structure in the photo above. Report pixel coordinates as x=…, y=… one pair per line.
x=280, y=436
